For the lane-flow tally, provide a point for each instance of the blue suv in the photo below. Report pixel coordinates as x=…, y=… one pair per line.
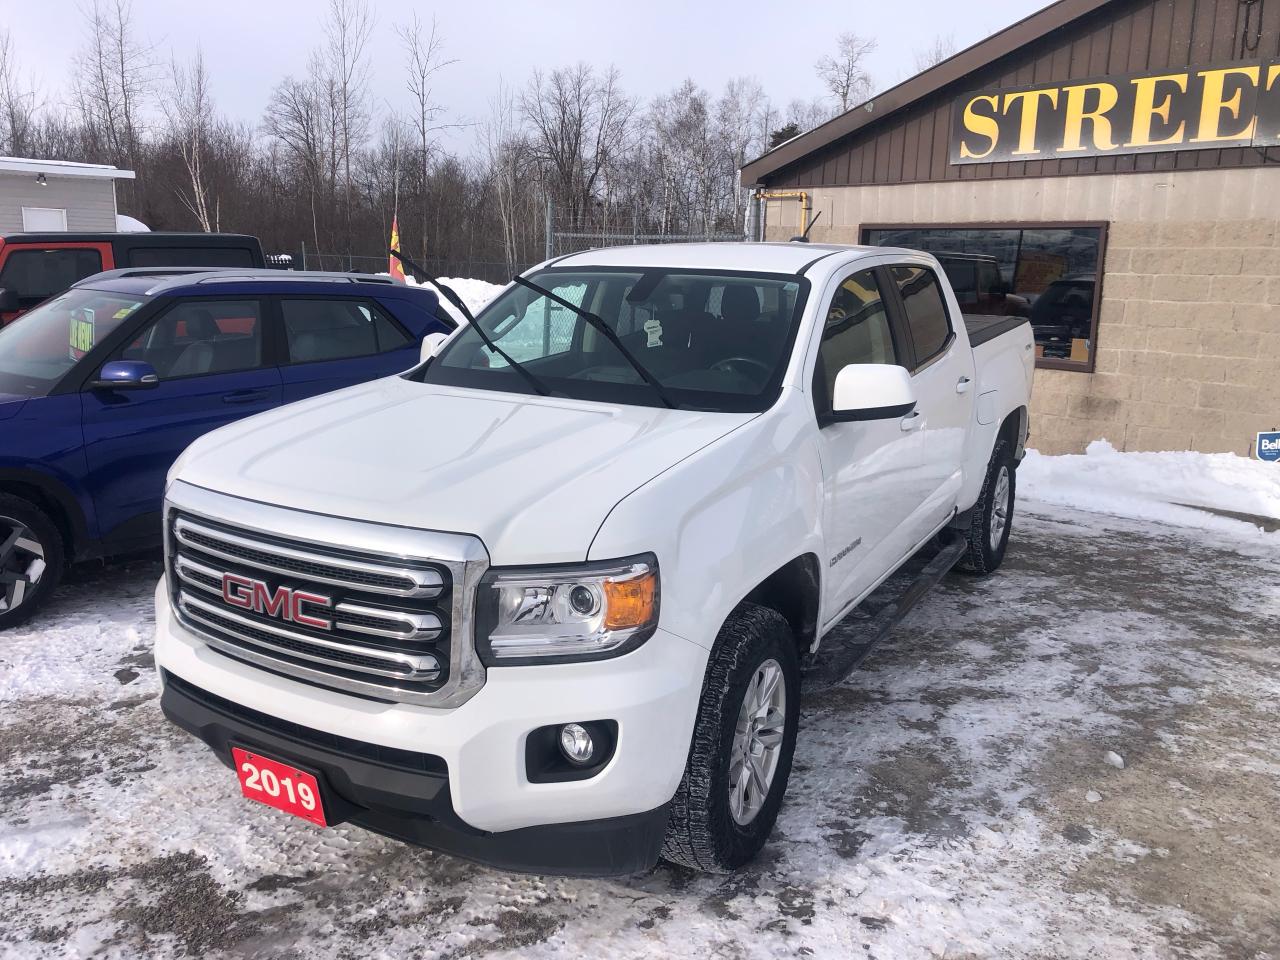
x=103, y=386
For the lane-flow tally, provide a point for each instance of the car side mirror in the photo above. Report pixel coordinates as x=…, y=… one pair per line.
x=9, y=301
x=1000, y=290
x=126, y=375
x=430, y=344
x=872, y=391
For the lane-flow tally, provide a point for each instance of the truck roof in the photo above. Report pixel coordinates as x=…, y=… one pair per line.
x=755, y=257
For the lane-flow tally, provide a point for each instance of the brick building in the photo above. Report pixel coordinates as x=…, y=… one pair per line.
x=1109, y=168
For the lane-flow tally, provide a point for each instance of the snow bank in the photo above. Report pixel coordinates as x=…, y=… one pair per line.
x=1152, y=486
x=474, y=293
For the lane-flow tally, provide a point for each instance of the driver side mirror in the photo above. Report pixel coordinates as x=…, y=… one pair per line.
x=430, y=344
x=9, y=301
x=126, y=375
x=871, y=391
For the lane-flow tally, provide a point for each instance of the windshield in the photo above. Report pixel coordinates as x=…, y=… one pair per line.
x=714, y=341
x=38, y=348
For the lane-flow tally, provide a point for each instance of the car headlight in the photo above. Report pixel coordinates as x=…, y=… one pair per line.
x=565, y=613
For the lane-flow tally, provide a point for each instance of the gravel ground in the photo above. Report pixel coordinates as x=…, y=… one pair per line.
x=1078, y=757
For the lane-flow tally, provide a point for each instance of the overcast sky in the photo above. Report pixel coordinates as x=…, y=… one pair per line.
x=249, y=45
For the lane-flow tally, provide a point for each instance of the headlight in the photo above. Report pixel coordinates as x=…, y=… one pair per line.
x=559, y=614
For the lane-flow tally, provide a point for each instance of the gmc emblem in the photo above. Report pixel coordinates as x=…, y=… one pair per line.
x=257, y=597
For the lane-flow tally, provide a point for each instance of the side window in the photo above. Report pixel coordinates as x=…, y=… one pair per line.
x=389, y=336
x=856, y=331
x=36, y=275
x=926, y=311
x=190, y=257
x=199, y=337
x=337, y=330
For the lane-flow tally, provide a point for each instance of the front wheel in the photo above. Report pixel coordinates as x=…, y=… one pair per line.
x=991, y=521
x=31, y=559
x=740, y=757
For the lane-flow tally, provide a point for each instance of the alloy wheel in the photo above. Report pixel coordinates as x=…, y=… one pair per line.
x=757, y=741
x=21, y=563
x=1000, y=507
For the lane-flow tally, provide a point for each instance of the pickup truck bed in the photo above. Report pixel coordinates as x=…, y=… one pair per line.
x=982, y=329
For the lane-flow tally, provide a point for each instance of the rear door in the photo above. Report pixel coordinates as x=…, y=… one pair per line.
x=942, y=376
x=215, y=364
x=333, y=342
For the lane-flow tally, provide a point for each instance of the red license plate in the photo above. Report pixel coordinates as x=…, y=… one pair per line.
x=279, y=785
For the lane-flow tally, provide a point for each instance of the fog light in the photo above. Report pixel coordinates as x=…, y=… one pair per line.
x=575, y=744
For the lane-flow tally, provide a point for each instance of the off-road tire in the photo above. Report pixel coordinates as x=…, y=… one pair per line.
x=701, y=832
x=44, y=530
x=981, y=556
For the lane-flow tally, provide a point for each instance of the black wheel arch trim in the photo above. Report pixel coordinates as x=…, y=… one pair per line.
x=71, y=519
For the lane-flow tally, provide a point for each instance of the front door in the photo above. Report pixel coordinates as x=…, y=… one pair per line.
x=869, y=467
x=211, y=359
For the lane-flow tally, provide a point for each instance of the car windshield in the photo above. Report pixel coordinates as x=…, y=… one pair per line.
x=713, y=340
x=40, y=347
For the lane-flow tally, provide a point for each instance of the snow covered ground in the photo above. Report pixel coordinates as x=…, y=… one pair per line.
x=1156, y=486
x=1078, y=757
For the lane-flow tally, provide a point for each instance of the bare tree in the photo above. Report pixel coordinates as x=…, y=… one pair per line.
x=17, y=103
x=115, y=73
x=578, y=123
x=744, y=116
x=507, y=156
x=424, y=50
x=942, y=47
x=347, y=39
x=188, y=108
x=298, y=115
x=845, y=74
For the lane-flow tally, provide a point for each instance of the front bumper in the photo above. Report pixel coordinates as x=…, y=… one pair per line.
x=455, y=779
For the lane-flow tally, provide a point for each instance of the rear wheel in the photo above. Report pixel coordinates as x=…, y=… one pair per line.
x=740, y=757
x=31, y=559
x=992, y=518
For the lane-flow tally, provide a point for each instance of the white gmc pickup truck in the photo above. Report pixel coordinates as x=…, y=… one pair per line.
x=542, y=602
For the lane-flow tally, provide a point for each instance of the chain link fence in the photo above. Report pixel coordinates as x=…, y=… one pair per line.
x=571, y=241
x=494, y=271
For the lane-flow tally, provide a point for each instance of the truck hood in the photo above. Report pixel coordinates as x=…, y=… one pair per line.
x=533, y=477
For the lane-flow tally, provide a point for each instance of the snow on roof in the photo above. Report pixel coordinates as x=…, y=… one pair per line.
x=63, y=168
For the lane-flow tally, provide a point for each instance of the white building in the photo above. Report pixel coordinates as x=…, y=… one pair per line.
x=40, y=196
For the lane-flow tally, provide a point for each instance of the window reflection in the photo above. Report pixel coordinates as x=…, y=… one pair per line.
x=1048, y=274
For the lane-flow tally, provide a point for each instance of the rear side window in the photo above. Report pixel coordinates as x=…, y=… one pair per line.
x=191, y=257
x=36, y=275
x=926, y=311
x=337, y=329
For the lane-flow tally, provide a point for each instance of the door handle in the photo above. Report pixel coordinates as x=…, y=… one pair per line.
x=246, y=396
x=910, y=421
x=962, y=385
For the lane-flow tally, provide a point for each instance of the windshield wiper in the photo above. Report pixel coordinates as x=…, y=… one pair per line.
x=421, y=275
x=607, y=332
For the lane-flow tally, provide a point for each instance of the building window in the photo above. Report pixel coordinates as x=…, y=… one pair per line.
x=1049, y=273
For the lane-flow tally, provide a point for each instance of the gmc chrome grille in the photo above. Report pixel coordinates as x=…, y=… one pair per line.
x=378, y=623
